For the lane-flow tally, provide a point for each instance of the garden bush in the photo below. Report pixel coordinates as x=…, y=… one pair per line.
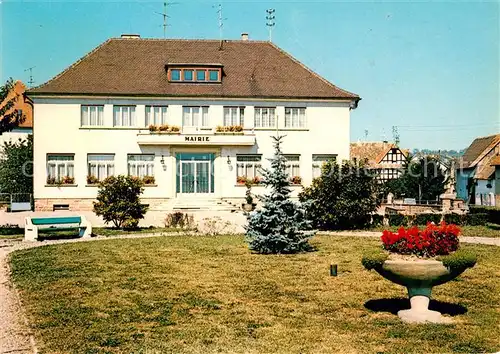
x=477, y=219
x=377, y=220
x=179, y=220
x=397, y=220
x=10, y=229
x=425, y=218
x=118, y=201
x=454, y=218
x=492, y=212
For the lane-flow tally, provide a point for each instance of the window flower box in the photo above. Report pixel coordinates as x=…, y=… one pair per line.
x=229, y=130
x=148, y=180
x=66, y=180
x=243, y=180
x=296, y=180
x=91, y=179
x=164, y=129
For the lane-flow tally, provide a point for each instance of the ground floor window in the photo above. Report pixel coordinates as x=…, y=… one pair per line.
x=318, y=161
x=142, y=166
x=292, y=168
x=248, y=167
x=60, y=168
x=100, y=166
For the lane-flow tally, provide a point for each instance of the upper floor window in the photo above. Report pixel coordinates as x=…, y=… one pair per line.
x=195, y=74
x=156, y=115
x=124, y=116
x=60, y=168
x=295, y=117
x=264, y=117
x=92, y=116
x=100, y=166
x=194, y=116
x=318, y=161
x=394, y=155
x=234, y=116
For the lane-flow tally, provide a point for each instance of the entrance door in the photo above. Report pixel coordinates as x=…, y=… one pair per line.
x=195, y=173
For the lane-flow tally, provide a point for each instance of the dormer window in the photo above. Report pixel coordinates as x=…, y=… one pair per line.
x=194, y=73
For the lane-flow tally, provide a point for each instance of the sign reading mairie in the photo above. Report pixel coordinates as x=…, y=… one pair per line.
x=197, y=138
x=194, y=139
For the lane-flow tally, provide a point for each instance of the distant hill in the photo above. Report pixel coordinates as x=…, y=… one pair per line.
x=450, y=153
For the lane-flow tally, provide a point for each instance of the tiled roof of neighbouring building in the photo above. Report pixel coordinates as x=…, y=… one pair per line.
x=253, y=69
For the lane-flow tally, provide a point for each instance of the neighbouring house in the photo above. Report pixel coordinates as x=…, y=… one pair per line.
x=25, y=106
x=192, y=118
x=476, y=171
x=385, y=159
x=495, y=162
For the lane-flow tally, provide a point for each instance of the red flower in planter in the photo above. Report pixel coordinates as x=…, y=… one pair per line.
x=432, y=241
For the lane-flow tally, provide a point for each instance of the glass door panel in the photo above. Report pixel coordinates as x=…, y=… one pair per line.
x=202, y=177
x=187, y=177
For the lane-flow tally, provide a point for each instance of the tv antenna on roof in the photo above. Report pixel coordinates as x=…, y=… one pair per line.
x=221, y=20
x=30, y=81
x=165, y=16
x=270, y=22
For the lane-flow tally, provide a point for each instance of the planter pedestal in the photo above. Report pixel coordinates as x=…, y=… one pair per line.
x=419, y=276
x=419, y=311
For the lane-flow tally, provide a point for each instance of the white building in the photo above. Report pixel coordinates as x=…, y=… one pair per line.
x=93, y=120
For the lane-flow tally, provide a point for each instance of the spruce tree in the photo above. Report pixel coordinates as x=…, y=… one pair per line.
x=280, y=226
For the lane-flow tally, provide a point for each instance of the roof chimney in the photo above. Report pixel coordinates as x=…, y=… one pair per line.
x=244, y=36
x=131, y=36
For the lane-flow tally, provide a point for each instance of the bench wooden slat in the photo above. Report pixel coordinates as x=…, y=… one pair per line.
x=57, y=220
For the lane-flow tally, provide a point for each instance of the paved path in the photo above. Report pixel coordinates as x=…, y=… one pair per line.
x=15, y=335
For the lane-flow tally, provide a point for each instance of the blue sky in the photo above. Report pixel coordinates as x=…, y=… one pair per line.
x=430, y=68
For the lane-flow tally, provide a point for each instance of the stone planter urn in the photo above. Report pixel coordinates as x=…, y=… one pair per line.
x=419, y=276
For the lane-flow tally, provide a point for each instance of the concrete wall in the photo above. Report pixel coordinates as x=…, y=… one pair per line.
x=57, y=130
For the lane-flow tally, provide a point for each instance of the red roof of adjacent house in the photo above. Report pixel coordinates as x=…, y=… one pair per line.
x=373, y=152
x=21, y=103
x=251, y=69
x=480, y=155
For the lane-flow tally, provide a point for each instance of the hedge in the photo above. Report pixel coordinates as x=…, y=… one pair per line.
x=476, y=219
x=453, y=218
x=493, y=213
x=424, y=218
x=397, y=220
x=377, y=220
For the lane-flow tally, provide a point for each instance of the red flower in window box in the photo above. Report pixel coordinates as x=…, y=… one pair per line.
x=241, y=179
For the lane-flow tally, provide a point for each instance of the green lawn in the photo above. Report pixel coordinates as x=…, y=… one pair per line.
x=196, y=294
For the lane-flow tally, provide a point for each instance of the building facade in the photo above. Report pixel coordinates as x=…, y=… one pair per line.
x=192, y=118
x=476, y=178
x=386, y=160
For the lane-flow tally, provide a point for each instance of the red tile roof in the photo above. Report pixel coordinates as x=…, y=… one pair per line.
x=252, y=69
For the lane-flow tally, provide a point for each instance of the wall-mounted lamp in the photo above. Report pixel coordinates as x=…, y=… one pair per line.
x=228, y=160
x=162, y=161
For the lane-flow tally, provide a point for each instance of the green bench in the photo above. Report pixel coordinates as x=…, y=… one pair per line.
x=54, y=224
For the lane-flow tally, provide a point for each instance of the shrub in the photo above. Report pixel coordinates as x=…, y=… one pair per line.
x=374, y=259
x=432, y=241
x=216, y=226
x=454, y=218
x=377, y=220
x=459, y=260
x=10, y=229
x=397, y=220
x=478, y=219
x=493, y=213
x=425, y=218
x=179, y=220
x=118, y=201
x=343, y=197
